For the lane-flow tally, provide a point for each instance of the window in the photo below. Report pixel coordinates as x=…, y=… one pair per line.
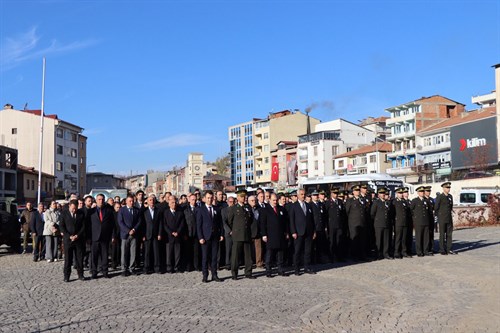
x=335, y=150
x=467, y=197
x=341, y=163
x=71, y=136
x=50, y=187
x=33, y=185
x=14, y=131
x=73, y=152
x=59, y=184
x=316, y=165
x=315, y=150
x=60, y=133
x=484, y=197
x=349, y=149
x=266, y=148
x=27, y=184
x=59, y=166
x=59, y=149
x=373, y=158
x=265, y=136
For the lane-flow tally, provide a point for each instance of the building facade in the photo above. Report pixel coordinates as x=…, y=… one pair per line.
x=8, y=172
x=367, y=159
x=195, y=170
x=406, y=121
x=27, y=186
x=99, y=180
x=316, y=151
x=284, y=170
x=62, y=147
x=251, y=143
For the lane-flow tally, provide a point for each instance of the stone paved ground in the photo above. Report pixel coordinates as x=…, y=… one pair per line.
x=431, y=294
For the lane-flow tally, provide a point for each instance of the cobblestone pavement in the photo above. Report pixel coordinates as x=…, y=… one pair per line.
x=431, y=294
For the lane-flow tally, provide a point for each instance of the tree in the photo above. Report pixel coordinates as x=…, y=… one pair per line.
x=222, y=164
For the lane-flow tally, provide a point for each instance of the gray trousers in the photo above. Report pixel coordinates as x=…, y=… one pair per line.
x=128, y=252
x=51, y=247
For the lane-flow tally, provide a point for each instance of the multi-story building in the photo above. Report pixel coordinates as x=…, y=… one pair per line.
x=405, y=122
x=284, y=165
x=135, y=183
x=251, y=144
x=62, y=147
x=8, y=172
x=195, y=170
x=378, y=126
x=99, y=180
x=27, y=185
x=317, y=150
x=367, y=159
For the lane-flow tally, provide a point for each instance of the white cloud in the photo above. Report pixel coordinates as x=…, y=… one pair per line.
x=26, y=46
x=178, y=140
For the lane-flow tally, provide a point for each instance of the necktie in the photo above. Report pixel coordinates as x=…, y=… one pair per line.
x=210, y=211
x=100, y=214
x=303, y=205
x=275, y=210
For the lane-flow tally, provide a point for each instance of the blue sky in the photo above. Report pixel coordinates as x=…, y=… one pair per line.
x=151, y=81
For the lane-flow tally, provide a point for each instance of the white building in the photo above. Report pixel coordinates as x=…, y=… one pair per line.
x=195, y=170
x=367, y=159
x=316, y=150
x=63, y=144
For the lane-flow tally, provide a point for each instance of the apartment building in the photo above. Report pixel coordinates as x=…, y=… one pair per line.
x=251, y=144
x=406, y=121
x=284, y=165
x=63, y=146
x=367, y=159
x=316, y=151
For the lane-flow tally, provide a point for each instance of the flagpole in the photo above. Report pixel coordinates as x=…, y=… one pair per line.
x=42, y=113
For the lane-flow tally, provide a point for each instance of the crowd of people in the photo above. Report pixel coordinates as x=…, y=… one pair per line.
x=209, y=231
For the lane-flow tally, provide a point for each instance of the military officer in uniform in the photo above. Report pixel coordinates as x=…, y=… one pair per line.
x=382, y=219
x=356, y=217
x=409, y=221
x=443, y=208
x=420, y=216
x=239, y=221
x=337, y=225
x=430, y=202
x=320, y=247
x=400, y=208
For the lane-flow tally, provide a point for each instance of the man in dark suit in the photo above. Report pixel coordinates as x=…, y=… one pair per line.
x=129, y=221
x=102, y=225
x=303, y=232
x=36, y=226
x=443, y=208
x=210, y=233
x=274, y=226
x=337, y=225
x=72, y=227
x=430, y=208
x=173, y=227
x=420, y=216
x=239, y=221
x=152, y=218
x=320, y=247
x=227, y=232
x=191, y=244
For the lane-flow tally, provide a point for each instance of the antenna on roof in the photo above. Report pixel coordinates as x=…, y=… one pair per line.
x=25, y=106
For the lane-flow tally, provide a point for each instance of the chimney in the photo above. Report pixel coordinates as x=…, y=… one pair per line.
x=308, y=122
x=8, y=107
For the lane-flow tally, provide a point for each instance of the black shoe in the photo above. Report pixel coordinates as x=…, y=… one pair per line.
x=309, y=271
x=234, y=278
x=282, y=274
x=429, y=254
x=204, y=280
x=126, y=273
x=35, y=259
x=389, y=258
x=66, y=279
x=453, y=252
x=398, y=257
x=106, y=276
x=269, y=275
x=81, y=278
x=420, y=255
x=251, y=277
x=94, y=276
x=297, y=272
x=216, y=279
x=444, y=253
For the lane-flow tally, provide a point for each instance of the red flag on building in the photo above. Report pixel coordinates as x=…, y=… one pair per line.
x=275, y=174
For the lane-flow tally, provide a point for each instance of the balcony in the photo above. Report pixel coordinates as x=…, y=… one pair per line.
x=401, y=119
x=436, y=148
x=401, y=136
x=303, y=158
x=406, y=152
x=401, y=171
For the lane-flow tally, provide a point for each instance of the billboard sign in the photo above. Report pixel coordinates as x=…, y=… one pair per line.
x=474, y=144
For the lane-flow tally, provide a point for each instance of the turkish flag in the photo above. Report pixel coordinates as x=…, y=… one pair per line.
x=275, y=174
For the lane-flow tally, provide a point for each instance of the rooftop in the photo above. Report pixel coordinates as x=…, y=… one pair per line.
x=464, y=117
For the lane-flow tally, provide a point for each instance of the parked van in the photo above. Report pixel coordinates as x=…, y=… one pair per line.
x=476, y=195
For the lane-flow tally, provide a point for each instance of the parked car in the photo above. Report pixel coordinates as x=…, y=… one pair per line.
x=477, y=174
x=475, y=196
